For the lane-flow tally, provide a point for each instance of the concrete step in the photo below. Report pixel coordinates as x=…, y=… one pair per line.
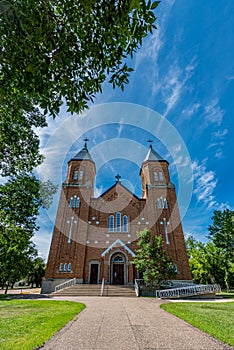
x=95, y=290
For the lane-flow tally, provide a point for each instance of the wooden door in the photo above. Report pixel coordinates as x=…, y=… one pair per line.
x=94, y=273
x=118, y=273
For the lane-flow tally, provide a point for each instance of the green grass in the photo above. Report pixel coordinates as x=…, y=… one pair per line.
x=215, y=319
x=226, y=295
x=27, y=324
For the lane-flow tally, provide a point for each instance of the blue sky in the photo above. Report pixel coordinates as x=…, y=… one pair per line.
x=183, y=81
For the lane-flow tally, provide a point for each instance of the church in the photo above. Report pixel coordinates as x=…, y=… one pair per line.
x=96, y=238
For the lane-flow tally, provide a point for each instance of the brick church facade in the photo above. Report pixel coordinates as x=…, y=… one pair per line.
x=95, y=238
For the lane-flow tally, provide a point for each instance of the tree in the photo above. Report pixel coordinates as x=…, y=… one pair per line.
x=51, y=51
x=206, y=262
x=20, y=200
x=19, y=145
x=209, y=264
x=36, y=272
x=222, y=232
x=16, y=251
x=151, y=259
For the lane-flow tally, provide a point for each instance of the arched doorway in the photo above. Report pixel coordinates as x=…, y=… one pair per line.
x=118, y=268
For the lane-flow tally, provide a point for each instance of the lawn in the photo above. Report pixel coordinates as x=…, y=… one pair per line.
x=27, y=324
x=215, y=319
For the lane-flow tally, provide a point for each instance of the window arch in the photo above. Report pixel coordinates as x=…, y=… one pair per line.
x=118, y=259
x=81, y=175
x=76, y=202
x=118, y=222
x=71, y=202
x=161, y=176
x=165, y=203
x=75, y=175
x=78, y=174
x=69, y=267
x=125, y=223
x=111, y=223
x=61, y=267
x=155, y=176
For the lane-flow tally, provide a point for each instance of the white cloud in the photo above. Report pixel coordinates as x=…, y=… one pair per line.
x=173, y=84
x=213, y=113
x=190, y=110
x=217, y=141
x=205, y=184
x=153, y=44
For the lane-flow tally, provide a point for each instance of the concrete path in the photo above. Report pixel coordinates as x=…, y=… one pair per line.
x=129, y=324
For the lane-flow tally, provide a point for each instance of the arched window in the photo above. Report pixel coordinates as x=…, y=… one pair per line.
x=118, y=259
x=125, y=223
x=155, y=176
x=69, y=267
x=71, y=202
x=65, y=267
x=118, y=222
x=81, y=174
x=165, y=203
x=75, y=175
x=61, y=267
x=111, y=223
x=76, y=202
x=160, y=176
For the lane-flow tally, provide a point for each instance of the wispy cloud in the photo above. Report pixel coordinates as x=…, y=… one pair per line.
x=205, y=184
x=217, y=142
x=190, y=110
x=153, y=45
x=213, y=112
x=174, y=83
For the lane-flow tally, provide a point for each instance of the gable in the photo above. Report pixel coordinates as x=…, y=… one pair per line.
x=118, y=190
x=117, y=243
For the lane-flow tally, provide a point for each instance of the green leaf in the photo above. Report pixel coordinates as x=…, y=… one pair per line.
x=155, y=4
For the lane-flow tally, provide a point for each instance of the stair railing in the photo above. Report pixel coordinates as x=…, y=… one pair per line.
x=102, y=287
x=138, y=283
x=65, y=284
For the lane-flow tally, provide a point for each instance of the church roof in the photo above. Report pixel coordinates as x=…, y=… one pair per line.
x=152, y=155
x=83, y=154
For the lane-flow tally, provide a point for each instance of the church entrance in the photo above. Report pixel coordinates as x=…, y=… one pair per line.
x=118, y=269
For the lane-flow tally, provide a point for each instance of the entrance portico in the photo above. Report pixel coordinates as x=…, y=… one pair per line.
x=117, y=258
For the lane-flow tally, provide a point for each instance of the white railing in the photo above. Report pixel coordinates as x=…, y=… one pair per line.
x=138, y=283
x=178, y=283
x=65, y=284
x=188, y=291
x=102, y=287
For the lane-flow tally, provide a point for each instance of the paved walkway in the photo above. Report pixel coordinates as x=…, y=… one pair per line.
x=129, y=324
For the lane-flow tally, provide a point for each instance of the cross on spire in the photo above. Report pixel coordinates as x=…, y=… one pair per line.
x=86, y=140
x=118, y=177
x=150, y=142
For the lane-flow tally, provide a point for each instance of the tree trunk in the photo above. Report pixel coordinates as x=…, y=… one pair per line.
x=7, y=286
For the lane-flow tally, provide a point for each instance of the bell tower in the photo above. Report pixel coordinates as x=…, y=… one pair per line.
x=67, y=251
x=163, y=212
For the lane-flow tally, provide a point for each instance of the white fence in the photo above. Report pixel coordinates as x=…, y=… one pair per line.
x=188, y=291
